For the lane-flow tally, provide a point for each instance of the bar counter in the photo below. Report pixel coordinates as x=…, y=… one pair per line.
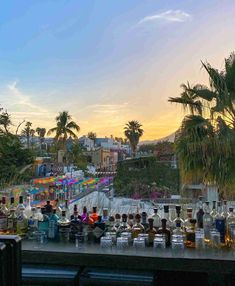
x=216, y=267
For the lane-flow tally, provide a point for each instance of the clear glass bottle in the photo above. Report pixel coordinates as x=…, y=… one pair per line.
x=151, y=231
x=166, y=216
x=130, y=220
x=39, y=214
x=53, y=226
x=178, y=228
x=43, y=224
x=220, y=223
x=32, y=223
x=117, y=222
x=230, y=224
x=20, y=205
x=99, y=230
x=105, y=216
x=213, y=212
x=58, y=208
x=200, y=213
x=156, y=219
x=188, y=218
x=207, y=222
x=3, y=216
x=123, y=227
x=28, y=211
x=166, y=231
x=137, y=227
x=178, y=216
x=12, y=204
x=22, y=223
x=190, y=234
x=76, y=226
x=144, y=220
x=12, y=222
x=225, y=211
x=64, y=227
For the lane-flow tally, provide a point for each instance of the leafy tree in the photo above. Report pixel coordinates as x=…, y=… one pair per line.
x=14, y=159
x=5, y=120
x=206, y=140
x=41, y=133
x=133, y=132
x=64, y=127
x=91, y=135
x=76, y=155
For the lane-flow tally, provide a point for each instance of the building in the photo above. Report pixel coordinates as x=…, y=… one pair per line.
x=86, y=143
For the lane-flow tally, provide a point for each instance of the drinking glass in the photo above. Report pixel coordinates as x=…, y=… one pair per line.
x=177, y=242
x=200, y=239
x=39, y=237
x=232, y=235
x=79, y=240
x=159, y=241
x=215, y=238
x=106, y=242
x=127, y=235
x=113, y=235
x=64, y=235
x=122, y=243
x=145, y=237
x=139, y=243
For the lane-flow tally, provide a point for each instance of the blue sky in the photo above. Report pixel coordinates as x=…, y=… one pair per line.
x=108, y=61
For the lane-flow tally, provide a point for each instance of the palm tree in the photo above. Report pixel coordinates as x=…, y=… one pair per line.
x=27, y=132
x=91, y=135
x=133, y=132
x=206, y=139
x=5, y=121
x=64, y=127
x=41, y=133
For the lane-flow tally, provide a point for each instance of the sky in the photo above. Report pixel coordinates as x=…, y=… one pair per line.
x=108, y=61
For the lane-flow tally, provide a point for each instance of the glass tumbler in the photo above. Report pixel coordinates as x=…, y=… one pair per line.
x=128, y=236
x=113, y=235
x=159, y=241
x=177, y=242
x=106, y=242
x=122, y=243
x=215, y=239
x=39, y=237
x=139, y=243
x=145, y=236
x=200, y=239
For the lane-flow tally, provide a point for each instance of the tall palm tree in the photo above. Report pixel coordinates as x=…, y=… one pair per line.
x=64, y=127
x=206, y=140
x=27, y=132
x=5, y=121
x=133, y=132
x=41, y=133
x=91, y=135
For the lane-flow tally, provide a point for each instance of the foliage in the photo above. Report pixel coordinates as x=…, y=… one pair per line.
x=205, y=143
x=133, y=132
x=133, y=176
x=5, y=121
x=27, y=132
x=76, y=155
x=91, y=135
x=64, y=128
x=13, y=160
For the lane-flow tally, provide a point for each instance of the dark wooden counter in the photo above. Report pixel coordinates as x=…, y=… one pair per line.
x=216, y=264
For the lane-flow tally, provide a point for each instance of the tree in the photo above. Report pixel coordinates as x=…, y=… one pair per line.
x=41, y=133
x=64, y=127
x=205, y=142
x=76, y=155
x=133, y=132
x=27, y=132
x=91, y=135
x=5, y=120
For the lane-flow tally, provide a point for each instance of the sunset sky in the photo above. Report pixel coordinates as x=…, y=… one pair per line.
x=108, y=61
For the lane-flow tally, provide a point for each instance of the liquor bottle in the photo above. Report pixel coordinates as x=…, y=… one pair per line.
x=39, y=214
x=130, y=220
x=22, y=223
x=32, y=223
x=12, y=222
x=178, y=216
x=151, y=231
x=3, y=216
x=105, y=216
x=110, y=227
x=117, y=222
x=225, y=212
x=53, y=226
x=64, y=227
x=12, y=204
x=207, y=222
x=28, y=211
x=123, y=227
x=66, y=209
x=188, y=218
x=230, y=224
x=99, y=230
x=166, y=231
x=220, y=223
x=58, y=208
x=94, y=215
x=75, y=226
x=213, y=212
x=43, y=224
x=75, y=210
x=48, y=208
x=144, y=220
x=200, y=213
x=87, y=223
x=156, y=219
x=137, y=227
x=190, y=234
x=20, y=205
x=178, y=228
x=166, y=216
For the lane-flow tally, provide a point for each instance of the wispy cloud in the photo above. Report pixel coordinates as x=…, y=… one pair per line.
x=167, y=16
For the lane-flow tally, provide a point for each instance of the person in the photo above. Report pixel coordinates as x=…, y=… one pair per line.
x=51, y=171
x=44, y=170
